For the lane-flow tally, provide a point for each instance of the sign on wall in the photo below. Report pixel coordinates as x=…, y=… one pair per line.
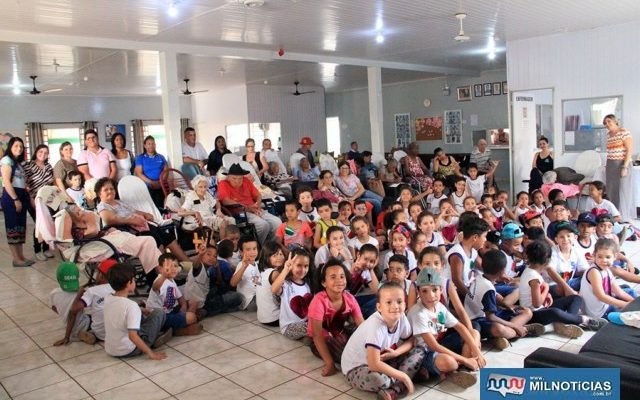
x=429, y=128
x=403, y=129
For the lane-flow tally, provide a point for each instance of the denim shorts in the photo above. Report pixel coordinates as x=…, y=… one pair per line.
x=175, y=320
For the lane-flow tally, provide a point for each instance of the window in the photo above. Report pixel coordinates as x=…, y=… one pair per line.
x=54, y=137
x=238, y=134
x=333, y=135
x=157, y=131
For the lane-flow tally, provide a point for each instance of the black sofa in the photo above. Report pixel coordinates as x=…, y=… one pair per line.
x=614, y=346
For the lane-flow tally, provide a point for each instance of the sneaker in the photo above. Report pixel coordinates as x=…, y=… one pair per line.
x=534, y=329
x=49, y=254
x=462, y=379
x=191, y=330
x=41, y=257
x=87, y=337
x=163, y=338
x=387, y=394
x=499, y=343
x=568, y=330
x=595, y=324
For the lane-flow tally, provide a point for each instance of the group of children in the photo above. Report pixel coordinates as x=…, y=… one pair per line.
x=406, y=299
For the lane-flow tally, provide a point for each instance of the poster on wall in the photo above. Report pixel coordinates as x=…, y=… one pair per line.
x=429, y=128
x=403, y=129
x=112, y=129
x=453, y=127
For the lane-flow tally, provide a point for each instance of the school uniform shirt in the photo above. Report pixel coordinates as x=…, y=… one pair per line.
x=152, y=166
x=468, y=262
x=434, y=202
x=458, y=202
x=586, y=250
x=476, y=186
x=324, y=254
x=77, y=195
x=594, y=307
x=268, y=303
x=413, y=263
x=481, y=298
x=294, y=303
x=63, y=301
x=512, y=267
x=93, y=299
x=604, y=204
x=375, y=333
x=357, y=244
x=497, y=213
x=248, y=284
x=333, y=320
x=528, y=275
x=436, y=240
x=309, y=216
x=166, y=298
x=434, y=322
x=197, y=286
x=567, y=268
x=519, y=211
x=121, y=315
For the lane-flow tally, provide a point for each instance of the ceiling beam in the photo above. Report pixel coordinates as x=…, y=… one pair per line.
x=218, y=51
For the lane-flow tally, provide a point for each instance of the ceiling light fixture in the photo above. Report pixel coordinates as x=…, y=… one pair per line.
x=172, y=10
x=379, y=38
x=491, y=48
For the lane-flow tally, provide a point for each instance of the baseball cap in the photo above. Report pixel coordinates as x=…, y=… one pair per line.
x=587, y=218
x=68, y=276
x=429, y=277
x=529, y=215
x=494, y=237
x=604, y=218
x=106, y=265
x=562, y=226
x=511, y=231
x=306, y=141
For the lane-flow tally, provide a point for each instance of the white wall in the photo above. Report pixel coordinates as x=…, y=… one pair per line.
x=299, y=116
x=214, y=110
x=17, y=110
x=595, y=63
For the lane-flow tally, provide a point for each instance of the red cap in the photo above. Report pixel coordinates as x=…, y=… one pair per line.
x=531, y=214
x=306, y=141
x=106, y=265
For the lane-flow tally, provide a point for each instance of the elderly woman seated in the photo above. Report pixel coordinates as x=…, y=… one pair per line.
x=115, y=212
x=278, y=180
x=199, y=208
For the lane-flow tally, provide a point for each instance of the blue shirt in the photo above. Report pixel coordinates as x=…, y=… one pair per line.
x=152, y=166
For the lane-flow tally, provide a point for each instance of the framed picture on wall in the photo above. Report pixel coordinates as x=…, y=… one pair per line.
x=453, y=127
x=497, y=88
x=464, y=93
x=112, y=129
x=477, y=90
x=403, y=129
x=505, y=88
x=486, y=89
x=498, y=138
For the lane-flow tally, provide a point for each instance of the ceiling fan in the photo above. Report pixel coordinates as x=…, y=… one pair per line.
x=461, y=37
x=35, y=90
x=298, y=92
x=186, y=90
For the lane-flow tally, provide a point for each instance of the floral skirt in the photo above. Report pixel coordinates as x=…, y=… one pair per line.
x=15, y=223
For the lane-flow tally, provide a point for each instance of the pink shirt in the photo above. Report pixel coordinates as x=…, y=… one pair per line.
x=99, y=163
x=332, y=320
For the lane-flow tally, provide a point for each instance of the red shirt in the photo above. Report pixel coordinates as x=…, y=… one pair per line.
x=245, y=194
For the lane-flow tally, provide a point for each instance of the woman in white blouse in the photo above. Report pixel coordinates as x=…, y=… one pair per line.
x=124, y=159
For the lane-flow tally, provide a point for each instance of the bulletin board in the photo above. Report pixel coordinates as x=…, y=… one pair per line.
x=582, y=127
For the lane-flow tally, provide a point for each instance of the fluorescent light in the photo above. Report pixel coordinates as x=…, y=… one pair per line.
x=16, y=91
x=491, y=55
x=158, y=91
x=379, y=38
x=172, y=11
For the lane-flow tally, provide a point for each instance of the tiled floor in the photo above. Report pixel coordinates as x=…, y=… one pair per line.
x=234, y=358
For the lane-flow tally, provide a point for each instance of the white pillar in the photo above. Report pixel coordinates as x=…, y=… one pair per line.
x=171, y=106
x=376, y=119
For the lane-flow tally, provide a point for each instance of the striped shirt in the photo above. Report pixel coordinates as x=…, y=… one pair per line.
x=482, y=160
x=615, y=145
x=37, y=177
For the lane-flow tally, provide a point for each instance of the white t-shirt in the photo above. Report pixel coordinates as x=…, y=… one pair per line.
x=413, y=263
x=268, y=303
x=309, y=216
x=586, y=250
x=527, y=276
x=196, y=152
x=436, y=240
x=476, y=186
x=567, y=268
x=76, y=195
x=590, y=204
x=248, y=284
x=121, y=315
x=357, y=244
x=288, y=301
x=458, y=202
x=197, y=287
x=497, y=213
x=511, y=268
x=324, y=254
x=473, y=304
x=434, y=322
x=63, y=301
x=434, y=202
x=373, y=332
x=93, y=299
x=468, y=262
x=166, y=298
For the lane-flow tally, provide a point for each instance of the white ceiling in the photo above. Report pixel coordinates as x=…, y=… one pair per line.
x=415, y=32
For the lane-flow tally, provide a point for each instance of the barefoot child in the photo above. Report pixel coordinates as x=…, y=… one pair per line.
x=292, y=285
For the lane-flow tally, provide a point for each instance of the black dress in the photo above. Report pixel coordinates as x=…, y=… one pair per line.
x=215, y=160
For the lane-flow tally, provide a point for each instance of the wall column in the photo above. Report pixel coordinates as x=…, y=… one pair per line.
x=374, y=75
x=171, y=106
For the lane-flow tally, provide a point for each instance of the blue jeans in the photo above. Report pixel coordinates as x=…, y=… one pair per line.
x=373, y=198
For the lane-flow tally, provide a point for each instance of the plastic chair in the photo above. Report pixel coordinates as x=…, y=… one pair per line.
x=398, y=155
x=327, y=162
x=229, y=159
x=294, y=163
x=133, y=191
x=171, y=179
x=273, y=156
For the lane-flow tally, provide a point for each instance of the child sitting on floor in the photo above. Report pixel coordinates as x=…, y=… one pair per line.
x=61, y=300
x=323, y=206
x=345, y=213
x=398, y=271
x=400, y=241
x=361, y=230
x=336, y=247
x=270, y=265
x=308, y=212
x=292, y=285
x=247, y=275
x=294, y=231
x=363, y=277
x=427, y=225
x=461, y=257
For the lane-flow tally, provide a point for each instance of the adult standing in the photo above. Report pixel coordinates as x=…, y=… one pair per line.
x=149, y=166
x=214, y=161
x=238, y=189
x=15, y=200
x=254, y=157
x=124, y=159
x=65, y=164
x=414, y=168
x=619, y=151
x=352, y=188
x=194, y=156
x=38, y=173
x=542, y=163
x=353, y=153
x=305, y=149
x=95, y=161
x=481, y=156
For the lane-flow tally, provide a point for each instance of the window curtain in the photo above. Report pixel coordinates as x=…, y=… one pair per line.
x=138, y=136
x=36, y=138
x=184, y=124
